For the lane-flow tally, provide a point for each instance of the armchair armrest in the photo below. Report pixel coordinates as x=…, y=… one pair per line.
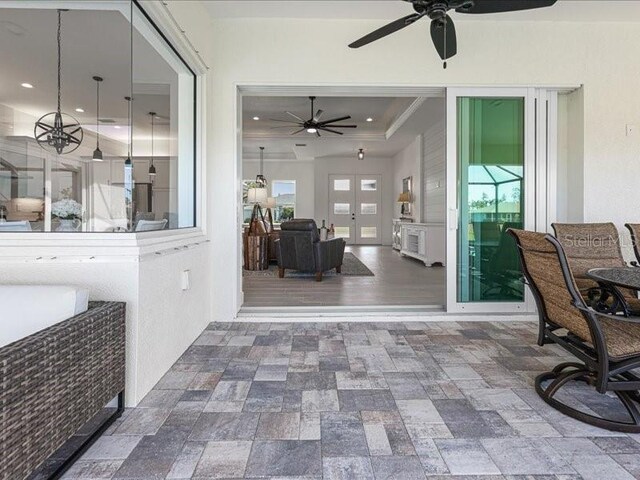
x=329, y=254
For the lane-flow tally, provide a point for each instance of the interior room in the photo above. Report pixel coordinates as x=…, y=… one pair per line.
x=361, y=184
x=319, y=240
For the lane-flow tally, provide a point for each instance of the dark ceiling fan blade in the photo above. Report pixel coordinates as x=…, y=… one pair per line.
x=333, y=120
x=285, y=121
x=332, y=125
x=443, y=34
x=497, y=6
x=318, y=133
x=324, y=129
x=318, y=115
x=387, y=30
x=298, y=131
x=295, y=116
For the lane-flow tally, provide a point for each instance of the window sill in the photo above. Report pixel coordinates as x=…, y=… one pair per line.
x=83, y=247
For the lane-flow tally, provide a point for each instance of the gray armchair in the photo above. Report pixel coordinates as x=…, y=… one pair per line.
x=300, y=248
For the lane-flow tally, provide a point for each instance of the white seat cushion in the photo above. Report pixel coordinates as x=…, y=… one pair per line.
x=27, y=309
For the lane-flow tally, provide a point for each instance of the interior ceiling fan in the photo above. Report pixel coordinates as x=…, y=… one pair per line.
x=443, y=31
x=314, y=125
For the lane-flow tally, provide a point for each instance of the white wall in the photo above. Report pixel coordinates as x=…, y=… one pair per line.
x=434, y=164
x=276, y=52
x=162, y=320
x=408, y=163
x=352, y=166
x=301, y=172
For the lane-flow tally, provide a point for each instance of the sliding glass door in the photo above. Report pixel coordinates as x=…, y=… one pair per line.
x=491, y=188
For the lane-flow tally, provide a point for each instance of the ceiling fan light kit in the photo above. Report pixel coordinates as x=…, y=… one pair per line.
x=361, y=154
x=443, y=31
x=314, y=125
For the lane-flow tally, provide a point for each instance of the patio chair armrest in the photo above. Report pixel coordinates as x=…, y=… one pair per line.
x=620, y=318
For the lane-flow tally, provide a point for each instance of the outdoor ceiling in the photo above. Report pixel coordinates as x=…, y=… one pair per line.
x=377, y=138
x=563, y=11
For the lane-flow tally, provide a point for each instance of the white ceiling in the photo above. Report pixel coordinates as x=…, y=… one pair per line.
x=563, y=11
x=411, y=117
x=93, y=43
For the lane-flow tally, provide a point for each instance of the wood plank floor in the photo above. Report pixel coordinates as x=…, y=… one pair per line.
x=398, y=281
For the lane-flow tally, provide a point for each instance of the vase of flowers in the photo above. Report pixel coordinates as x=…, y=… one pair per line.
x=69, y=212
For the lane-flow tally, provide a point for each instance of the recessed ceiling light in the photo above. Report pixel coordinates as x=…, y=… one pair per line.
x=369, y=119
x=26, y=85
x=116, y=126
x=80, y=110
x=256, y=118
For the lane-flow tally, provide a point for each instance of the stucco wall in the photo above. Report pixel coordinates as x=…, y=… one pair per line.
x=295, y=51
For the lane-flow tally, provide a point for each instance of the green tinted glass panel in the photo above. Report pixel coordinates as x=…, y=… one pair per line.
x=490, y=198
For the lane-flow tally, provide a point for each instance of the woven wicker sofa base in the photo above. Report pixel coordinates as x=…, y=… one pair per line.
x=52, y=383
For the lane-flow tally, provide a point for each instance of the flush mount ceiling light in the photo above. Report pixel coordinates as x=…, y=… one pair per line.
x=361, y=154
x=80, y=110
x=26, y=85
x=369, y=119
x=152, y=167
x=256, y=118
x=260, y=178
x=56, y=131
x=97, y=153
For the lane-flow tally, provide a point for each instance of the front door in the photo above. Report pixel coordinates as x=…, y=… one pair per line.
x=355, y=208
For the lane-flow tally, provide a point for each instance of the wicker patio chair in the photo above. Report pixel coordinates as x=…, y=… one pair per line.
x=607, y=346
x=634, y=229
x=595, y=245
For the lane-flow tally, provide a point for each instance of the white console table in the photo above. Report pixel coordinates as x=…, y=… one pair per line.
x=424, y=241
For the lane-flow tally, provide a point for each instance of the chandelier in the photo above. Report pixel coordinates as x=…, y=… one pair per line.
x=57, y=131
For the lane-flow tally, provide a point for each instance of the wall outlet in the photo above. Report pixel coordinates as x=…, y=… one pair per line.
x=631, y=130
x=186, y=279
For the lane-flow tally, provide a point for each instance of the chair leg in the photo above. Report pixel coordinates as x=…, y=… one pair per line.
x=339, y=269
x=280, y=272
x=318, y=276
x=567, y=372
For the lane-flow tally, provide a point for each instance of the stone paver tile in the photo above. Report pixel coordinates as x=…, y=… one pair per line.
x=466, y=457
x=278, y=426
x=347, y=468
x=377, y=439
x=320, y=401
x=284, y=458
x=397, y=468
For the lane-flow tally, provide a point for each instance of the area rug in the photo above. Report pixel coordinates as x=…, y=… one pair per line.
x=351, y=267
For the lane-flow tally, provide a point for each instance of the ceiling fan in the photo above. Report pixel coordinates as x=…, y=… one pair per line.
x=314, y=125
x=443, y=31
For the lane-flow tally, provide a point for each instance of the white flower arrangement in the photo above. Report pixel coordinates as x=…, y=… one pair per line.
x=66, y=209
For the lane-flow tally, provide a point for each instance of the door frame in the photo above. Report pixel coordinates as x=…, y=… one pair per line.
x=243, y=89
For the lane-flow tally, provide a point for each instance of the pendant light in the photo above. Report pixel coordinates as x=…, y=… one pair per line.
x=152, y=167
x=97, y=153
x=128, y=161
x=260, y=178
x=58, y=132
x=361, y=154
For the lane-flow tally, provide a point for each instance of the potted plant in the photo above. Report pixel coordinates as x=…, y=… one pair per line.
x=69, y=212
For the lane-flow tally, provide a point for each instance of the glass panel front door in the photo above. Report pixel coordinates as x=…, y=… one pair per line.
x=491, y=193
